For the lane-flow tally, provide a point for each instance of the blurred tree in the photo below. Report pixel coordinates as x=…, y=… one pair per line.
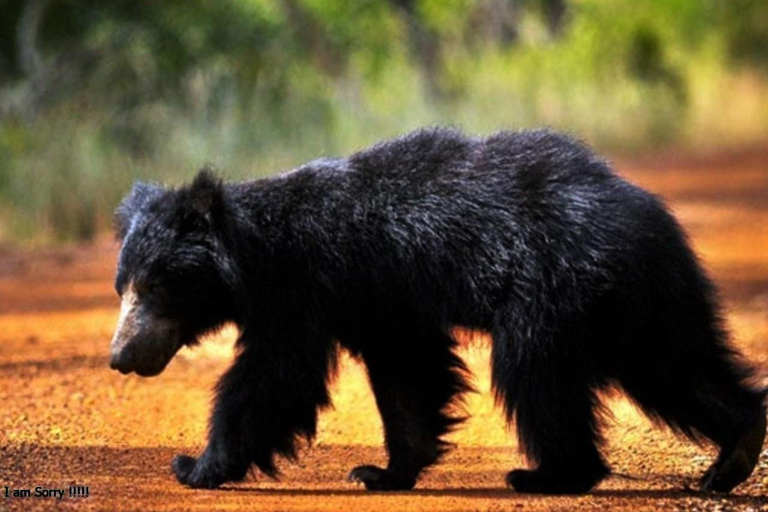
x=648, y=62
x=29, y=58
x=554, y=12
x=495, y=20
x=746, y=25
x=424, y=43
x=139, y=49
x=314, y=40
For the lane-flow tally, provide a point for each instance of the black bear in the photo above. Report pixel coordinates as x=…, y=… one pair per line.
x=582, y=279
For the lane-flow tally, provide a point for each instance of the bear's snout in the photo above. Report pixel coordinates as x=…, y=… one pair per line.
x=142, y=343
x=119, y=362
x=147, y=356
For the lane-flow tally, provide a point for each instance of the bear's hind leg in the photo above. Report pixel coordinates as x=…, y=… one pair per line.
x=679, y=367
x=415, y=376
x=558, y=429
x=703, y=393
x=552, y=399
x=675, y=360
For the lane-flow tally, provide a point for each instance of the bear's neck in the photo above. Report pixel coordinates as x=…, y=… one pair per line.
x=270, y=215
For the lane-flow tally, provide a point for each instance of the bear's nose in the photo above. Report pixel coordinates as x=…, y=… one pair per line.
x=118, y=361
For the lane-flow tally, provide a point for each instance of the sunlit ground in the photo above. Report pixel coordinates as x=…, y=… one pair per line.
x=66, y=419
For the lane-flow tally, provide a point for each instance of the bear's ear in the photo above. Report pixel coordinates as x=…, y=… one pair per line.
x=204, y=199
x=134, y=203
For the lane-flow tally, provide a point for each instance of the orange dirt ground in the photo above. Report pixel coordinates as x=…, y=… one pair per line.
x=67, y=419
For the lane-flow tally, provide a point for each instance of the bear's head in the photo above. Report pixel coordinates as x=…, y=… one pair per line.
x=174, y=275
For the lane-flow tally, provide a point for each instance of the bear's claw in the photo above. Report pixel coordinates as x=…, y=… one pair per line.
x=734, y=465
x=378, y=479
x=189, y=472
x=183, y=465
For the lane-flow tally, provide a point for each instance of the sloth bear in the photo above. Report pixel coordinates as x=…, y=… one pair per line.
x=582, y=279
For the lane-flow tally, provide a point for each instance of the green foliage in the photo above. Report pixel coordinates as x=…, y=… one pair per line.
x=153, y=90
x=746, y=31
x=444, y=16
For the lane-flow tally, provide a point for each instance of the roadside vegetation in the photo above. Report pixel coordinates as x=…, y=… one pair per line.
x=94, y=95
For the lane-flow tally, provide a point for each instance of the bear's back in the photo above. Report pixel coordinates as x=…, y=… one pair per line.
x=487, y=212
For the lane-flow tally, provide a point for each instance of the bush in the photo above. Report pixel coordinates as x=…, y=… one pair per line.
x=153, y=90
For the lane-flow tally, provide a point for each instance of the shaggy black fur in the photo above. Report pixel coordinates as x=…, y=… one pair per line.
x=582, y=279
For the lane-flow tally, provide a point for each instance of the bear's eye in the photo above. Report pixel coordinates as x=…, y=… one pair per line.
x=148, y=289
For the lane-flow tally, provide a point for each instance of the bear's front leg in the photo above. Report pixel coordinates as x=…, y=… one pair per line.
x=266, y=400
x=224, y=459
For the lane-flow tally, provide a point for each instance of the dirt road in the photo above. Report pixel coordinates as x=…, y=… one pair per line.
x=67, y=420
